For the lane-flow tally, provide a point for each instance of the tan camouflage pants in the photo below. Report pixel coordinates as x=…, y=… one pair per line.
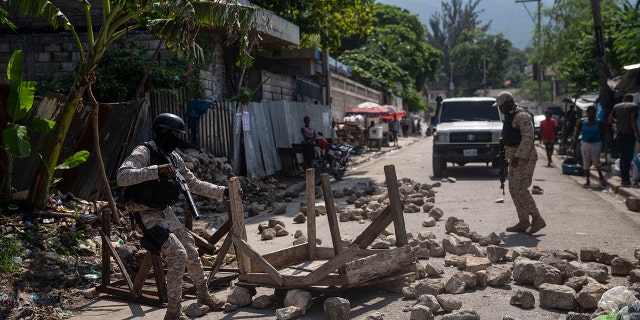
x=520, y=179
x=179, y=251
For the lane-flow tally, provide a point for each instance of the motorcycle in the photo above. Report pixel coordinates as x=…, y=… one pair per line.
x=335, y=160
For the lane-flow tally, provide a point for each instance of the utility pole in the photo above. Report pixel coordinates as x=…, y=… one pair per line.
x=539, y=71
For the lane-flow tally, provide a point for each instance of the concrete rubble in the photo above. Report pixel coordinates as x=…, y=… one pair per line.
x=573, y=282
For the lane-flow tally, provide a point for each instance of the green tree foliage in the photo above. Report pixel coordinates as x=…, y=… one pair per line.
x=375, y=71
x=478, y=61
x=395, y=58
x=121, y=71
x=324, y=23
x=445, y=29
x=569, y=41
x=176, y=22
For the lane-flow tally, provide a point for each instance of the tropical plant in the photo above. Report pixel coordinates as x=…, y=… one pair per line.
x=176, y=22
x=16, y=136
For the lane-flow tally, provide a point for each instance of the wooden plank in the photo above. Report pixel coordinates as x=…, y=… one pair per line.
x=308, y=265
x=245, y=249
x=237, y=220
x=220, y=257
x=338, y=262
x=379, y=264
x=158, y=272
x=116, y=257
x=294, y=272
x=285, y=257
x=311, y=212
x=143, y=272
x=396, y=205
x=202, y=243
x=334, y=228
x=327, y=253
x=123, y=293
x=291, y=281
x=373, y=230
x=224, y=229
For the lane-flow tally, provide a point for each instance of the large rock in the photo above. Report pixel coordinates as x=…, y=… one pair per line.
x=239, y=296
x=449, y=302
x=589, y=296
x=336, y=308
x=420, y=312
x=555, y=296
x=621, y=266
x=456, y=244
x=429, y=301
x=498, y=275
x=299, y=298
x=524, y=270
x=523, y=298
x=547, y=274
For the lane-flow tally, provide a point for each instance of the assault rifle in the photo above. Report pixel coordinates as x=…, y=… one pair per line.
x=183, y=185
x=187, y=194
x=502, y=165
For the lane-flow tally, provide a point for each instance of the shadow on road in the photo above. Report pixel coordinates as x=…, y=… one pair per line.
x=518, y=239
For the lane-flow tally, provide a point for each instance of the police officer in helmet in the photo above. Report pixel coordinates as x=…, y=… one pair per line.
x=148, y=174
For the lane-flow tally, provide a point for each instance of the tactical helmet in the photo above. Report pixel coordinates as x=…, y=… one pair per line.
x=166, y=122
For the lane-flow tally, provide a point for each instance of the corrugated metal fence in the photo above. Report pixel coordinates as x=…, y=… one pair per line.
x=249, y=135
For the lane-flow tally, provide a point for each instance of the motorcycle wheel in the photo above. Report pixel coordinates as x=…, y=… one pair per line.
x=338, y=175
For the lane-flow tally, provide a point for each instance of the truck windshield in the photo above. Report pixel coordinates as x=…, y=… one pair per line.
x=453, y=111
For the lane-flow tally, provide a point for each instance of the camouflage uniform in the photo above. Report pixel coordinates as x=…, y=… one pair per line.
x=520, y=177
x=179, y=250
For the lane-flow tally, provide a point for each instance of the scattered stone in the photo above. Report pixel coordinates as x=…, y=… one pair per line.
x=498, y=275
x=239, y=296
x=195, y=310
x=377, y=316
x=462, y=315
x=457, y=226
x=523, y=298
x=380, y=244
x=496, y=254
x=436, y=213
x=590, y=294
x=299, y=298
x=261, y=302
x=299, y=218
x=268, y=234
x=429, y=222
x=621, y=266
x=420, y=312
x=633, y=203
x=432, y=269
x=298, y=234
x=555, y=296
x=336, y=308
x=288, y=313
x=588, y=254
x=280, y=231
x=454, y=285
x=449, y=302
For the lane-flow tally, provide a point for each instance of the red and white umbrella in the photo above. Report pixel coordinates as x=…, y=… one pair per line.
x=370, y=109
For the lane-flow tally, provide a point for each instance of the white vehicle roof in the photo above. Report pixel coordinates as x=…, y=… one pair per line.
x=469, y=99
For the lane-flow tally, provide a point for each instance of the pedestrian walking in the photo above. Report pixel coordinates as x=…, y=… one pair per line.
x=149, y=173
x=548, y=134
x=518, y=137
x=309, y=136
x=394, y=127
x=624, y=115
x=590, y=132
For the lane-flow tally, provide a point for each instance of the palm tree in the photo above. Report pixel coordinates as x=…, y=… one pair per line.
x=175, y=21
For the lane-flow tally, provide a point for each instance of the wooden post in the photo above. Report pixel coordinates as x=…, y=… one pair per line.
x=188, y=218
x=106, y=257
x=237, y=222
x=396, y=205
x=311, y=212
x=334, y=228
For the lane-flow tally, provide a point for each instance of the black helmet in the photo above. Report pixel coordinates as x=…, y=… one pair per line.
x=165, y=122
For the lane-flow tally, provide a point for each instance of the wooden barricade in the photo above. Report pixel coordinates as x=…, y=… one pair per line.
x=149, y=285
x=316, y=268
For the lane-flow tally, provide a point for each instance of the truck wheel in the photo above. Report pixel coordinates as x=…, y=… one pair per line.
x=439, y=165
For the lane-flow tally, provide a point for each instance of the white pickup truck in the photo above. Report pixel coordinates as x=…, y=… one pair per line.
x=467, y=130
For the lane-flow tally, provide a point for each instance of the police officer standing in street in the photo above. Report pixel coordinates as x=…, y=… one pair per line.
x=518, y=139
x=149, y=175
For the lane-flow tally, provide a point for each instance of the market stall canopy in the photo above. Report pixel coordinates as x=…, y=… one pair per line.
x=370, y=109
x=394, y=111
x=586, y=100
x=629, y=81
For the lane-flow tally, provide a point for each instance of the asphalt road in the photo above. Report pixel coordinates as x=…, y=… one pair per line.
x=575, y=217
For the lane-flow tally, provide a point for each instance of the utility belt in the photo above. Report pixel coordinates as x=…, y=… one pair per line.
x=153, y=238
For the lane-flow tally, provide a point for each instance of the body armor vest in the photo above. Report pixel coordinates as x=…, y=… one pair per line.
x=511, y=136
x=157, y=193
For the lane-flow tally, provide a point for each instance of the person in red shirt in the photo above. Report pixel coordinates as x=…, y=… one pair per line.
x=548, y=134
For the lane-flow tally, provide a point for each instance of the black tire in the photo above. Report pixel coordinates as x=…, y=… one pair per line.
x=439, y=166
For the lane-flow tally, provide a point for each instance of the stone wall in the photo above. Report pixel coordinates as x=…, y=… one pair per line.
x=48, y=56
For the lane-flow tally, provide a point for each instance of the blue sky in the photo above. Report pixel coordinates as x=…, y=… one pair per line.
x=507, y=17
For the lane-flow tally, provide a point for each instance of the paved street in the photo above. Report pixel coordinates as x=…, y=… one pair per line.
x=575, y=217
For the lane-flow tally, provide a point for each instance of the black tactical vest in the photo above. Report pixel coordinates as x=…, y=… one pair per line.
x=157, y=193
x=511, y=136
